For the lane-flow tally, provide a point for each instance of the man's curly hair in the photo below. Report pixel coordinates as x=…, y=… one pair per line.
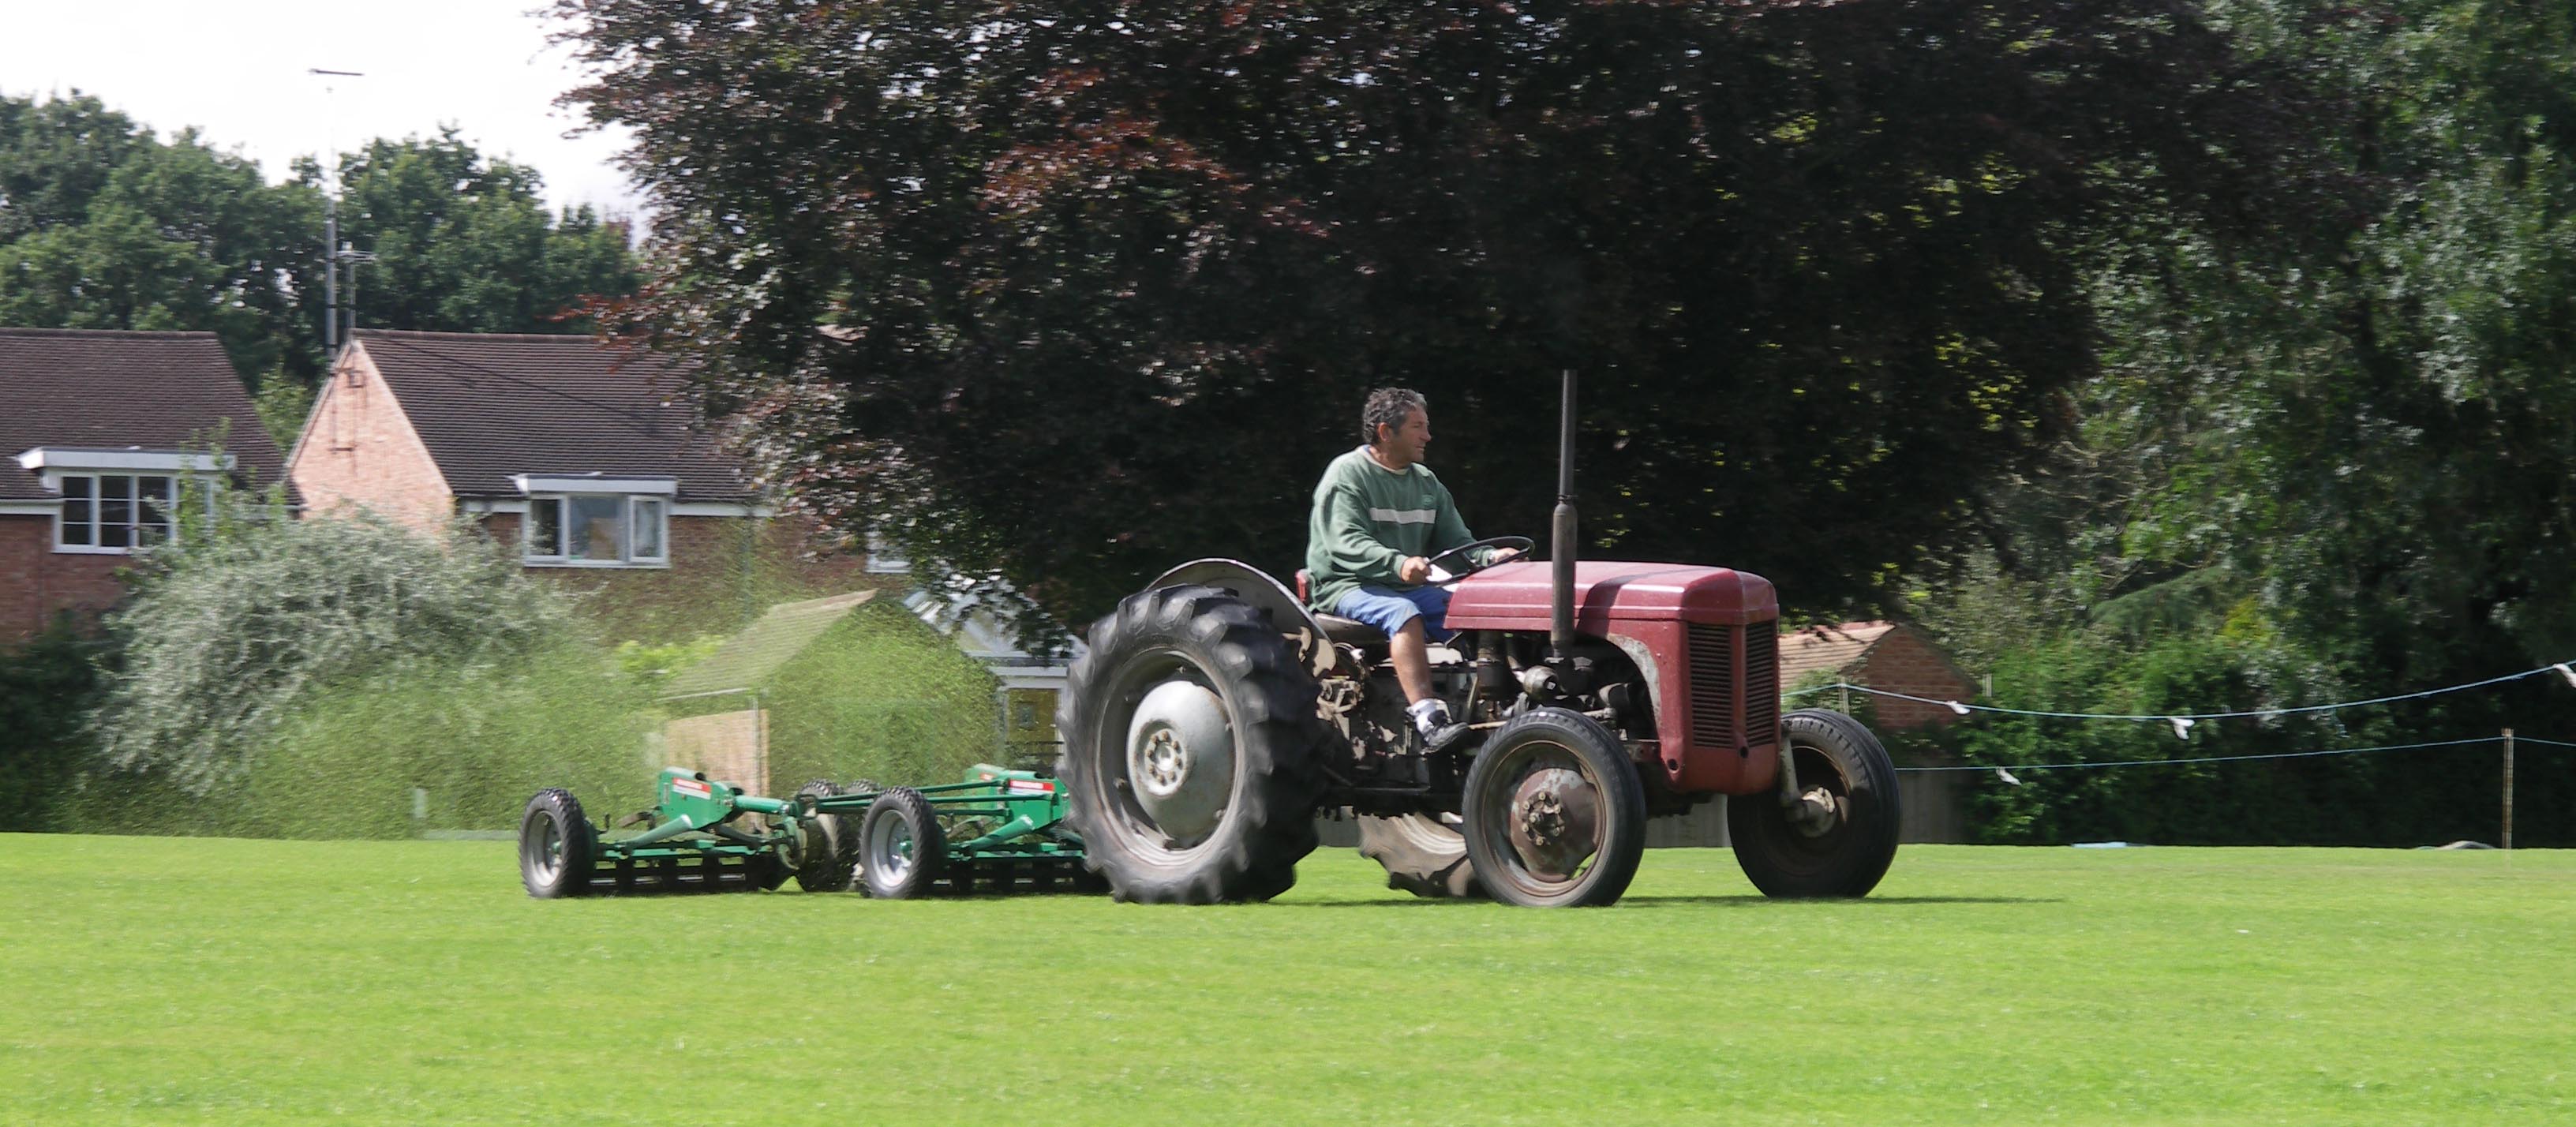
x=1391, y=406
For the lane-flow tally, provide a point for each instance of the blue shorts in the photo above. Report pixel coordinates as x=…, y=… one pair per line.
x=1389, y=609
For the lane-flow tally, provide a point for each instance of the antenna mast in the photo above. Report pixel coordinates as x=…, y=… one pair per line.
x=334, y=252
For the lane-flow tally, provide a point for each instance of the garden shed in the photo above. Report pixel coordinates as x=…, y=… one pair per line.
x=856, y=686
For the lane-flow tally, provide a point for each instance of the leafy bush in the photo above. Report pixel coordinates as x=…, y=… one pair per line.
x=2412, y=797
x=45, y=688
x=237, y=625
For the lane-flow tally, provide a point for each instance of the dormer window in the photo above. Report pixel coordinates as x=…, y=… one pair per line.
x=115, y=501
x=591, y=520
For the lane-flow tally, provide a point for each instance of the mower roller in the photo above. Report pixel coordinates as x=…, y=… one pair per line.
x=999, y=830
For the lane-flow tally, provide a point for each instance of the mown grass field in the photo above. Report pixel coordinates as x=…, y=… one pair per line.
x=171, y=981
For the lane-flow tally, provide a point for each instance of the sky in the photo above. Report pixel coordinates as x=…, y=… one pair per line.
x=238, y=72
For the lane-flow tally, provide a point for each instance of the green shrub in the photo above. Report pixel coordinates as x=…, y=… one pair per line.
x=235, y=627
x=46, y=688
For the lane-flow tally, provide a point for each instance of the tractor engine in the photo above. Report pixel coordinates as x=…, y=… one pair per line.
x=1691, y=679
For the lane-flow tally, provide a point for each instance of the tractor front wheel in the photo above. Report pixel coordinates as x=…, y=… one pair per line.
x=1190, y=761
x=1837, y=838
x=901, y=846
x=556, y=846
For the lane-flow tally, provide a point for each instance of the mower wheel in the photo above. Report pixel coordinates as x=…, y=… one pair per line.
x=556, y=846
x=1079, y=877
x=1555, y=814
x=1840, y=837
x=823, y=861
x=901, y=847
x=1191, y=760
x=1422, y=855
x=850, y=830
x=764, y=872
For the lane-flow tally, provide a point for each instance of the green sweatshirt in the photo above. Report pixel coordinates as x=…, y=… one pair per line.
x=1368, y=518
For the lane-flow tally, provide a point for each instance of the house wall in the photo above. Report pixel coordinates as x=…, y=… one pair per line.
x=359, y=449
x=1902, y=662
x=36, y=582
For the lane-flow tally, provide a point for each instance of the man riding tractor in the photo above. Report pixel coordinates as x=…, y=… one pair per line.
x=1379, y=515
x=1217, y=712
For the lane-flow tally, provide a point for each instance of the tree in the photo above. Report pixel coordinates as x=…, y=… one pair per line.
x=2334, y=472
x=103, y=225
x=464, y=244
x=1071, y=293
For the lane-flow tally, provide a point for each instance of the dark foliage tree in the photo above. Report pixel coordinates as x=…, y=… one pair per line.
x=1073, y=291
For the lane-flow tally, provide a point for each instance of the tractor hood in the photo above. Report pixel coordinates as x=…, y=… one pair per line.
x=1514, y=596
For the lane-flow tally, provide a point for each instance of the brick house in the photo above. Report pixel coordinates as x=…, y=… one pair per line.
x=1895, y=658
x=1880, y=655
x=588, y=457
x=100, y=429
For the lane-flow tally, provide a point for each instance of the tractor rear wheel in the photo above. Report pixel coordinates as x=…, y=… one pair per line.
x=1839, y=838
x=1422, y=855
x=823, y=853
x=901, y=846
x=1190, y=760
x=1555, y=814
x=557, y=846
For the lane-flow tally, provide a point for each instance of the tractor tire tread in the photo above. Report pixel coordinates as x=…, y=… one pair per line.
x=1272, y=697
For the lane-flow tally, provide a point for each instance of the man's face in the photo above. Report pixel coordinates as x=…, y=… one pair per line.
x=1402, y=446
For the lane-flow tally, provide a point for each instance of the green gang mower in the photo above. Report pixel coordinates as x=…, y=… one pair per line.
x=999, y=830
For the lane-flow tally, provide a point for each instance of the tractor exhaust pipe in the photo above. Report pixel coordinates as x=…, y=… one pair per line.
x=1560, y=621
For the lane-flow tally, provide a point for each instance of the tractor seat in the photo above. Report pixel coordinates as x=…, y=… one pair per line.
x=1348, y=631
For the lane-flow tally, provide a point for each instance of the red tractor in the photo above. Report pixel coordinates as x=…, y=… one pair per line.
x=1214, y=717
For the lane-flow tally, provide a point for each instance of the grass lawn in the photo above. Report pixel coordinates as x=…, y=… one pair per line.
x=172, y=981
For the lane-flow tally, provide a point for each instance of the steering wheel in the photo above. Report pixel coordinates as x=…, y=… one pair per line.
x=1442, y=576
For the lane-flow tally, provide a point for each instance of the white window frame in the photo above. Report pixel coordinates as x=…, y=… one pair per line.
x=176, y=485
x=57, y=466
x=632, y=507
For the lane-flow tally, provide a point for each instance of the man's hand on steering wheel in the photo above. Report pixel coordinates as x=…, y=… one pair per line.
x=1458, y=563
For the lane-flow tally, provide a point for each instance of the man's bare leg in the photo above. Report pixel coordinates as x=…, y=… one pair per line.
x=1412, y=657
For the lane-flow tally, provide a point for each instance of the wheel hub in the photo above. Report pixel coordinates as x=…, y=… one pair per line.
x=1817, y=812
x=894, y=853
x=1555, y=820
x=1180, y=759
x=549, y=852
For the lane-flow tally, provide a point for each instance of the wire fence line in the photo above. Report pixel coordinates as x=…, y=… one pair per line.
x=2098, y=764
x=2183, y=720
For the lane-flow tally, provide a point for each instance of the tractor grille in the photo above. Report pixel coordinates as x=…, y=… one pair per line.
x=1761, y=681
x=1715, y=706
x=1712, y=685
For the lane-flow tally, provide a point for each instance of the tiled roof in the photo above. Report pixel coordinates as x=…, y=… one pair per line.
x=491, y=405
x=112, y=389
x=748, y=658
x=1831, y=649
